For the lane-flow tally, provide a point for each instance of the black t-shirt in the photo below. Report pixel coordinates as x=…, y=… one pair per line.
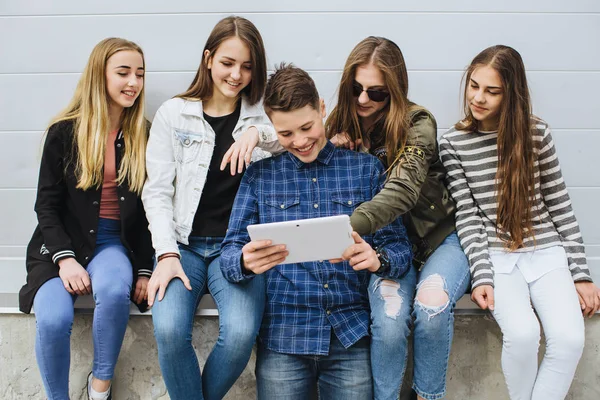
x=212, y=216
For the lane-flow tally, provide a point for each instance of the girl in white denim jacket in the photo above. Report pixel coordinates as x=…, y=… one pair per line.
x=188, y=197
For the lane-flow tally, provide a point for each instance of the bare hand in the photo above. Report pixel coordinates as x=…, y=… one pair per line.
x=260, y=256
x=165, y=271
x=360, y=255
x=74, y=277
x=589, y=298
x=342, y=139
x=141, y=290
x=483, y=296
x=240, y=152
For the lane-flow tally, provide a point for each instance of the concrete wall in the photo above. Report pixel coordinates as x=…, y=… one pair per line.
x=474, y=367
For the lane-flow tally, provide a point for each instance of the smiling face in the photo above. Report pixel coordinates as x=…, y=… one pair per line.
x=301, y=131
x=124, y=78
x=230, y=68
x=484, y=96
x=369, y=77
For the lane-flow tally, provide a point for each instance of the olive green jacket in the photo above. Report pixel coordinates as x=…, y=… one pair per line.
x=415, y=190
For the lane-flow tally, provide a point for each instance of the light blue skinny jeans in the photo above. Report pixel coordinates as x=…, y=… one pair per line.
x=240, y=306
x=111, y=276
x=394, y=309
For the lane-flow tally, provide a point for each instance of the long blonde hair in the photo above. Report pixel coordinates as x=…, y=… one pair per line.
x=388, y=58
x=88, y=110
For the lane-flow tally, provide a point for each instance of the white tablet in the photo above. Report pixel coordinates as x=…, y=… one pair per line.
x=308, y=239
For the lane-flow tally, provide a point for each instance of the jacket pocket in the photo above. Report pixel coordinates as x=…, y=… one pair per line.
x=188, y=145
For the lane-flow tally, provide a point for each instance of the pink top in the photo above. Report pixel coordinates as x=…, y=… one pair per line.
x=109, y=203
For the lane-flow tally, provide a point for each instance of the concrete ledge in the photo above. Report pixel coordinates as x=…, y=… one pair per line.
x=206, y=308
x=474, y=366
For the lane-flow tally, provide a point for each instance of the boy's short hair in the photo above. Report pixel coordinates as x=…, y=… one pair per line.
x=290, y=88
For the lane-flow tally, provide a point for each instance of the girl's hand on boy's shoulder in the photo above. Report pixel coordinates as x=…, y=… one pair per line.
x=240, y=152
x=483, y=296
x=342, y=139
x=589, y=297
x=141, y=290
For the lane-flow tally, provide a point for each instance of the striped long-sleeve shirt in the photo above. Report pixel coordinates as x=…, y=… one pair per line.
x=471, y=161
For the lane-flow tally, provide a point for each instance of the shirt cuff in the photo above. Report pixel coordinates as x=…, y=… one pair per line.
x=61, y=255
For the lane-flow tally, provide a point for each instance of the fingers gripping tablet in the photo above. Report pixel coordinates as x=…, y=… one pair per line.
x=308, y=239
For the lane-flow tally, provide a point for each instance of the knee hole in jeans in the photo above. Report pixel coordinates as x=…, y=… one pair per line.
x=389, y=293
x=432, y=296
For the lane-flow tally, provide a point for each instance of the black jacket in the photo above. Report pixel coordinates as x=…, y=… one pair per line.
x=68, y=217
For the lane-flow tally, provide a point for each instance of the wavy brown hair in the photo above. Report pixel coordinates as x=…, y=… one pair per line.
x=388, y=58
x=515, y=179
x=201, y=87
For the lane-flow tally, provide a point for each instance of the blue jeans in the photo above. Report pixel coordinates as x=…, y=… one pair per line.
x=445, y=274
x=111, y=276
x=240, y=308
x=344, y=374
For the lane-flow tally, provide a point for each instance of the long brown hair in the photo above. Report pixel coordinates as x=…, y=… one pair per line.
x=89, y=111
x=387, y=57
x=515, y=179
x=201, y=87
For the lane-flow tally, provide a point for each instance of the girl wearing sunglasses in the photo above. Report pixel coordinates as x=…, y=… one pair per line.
x=373, y=114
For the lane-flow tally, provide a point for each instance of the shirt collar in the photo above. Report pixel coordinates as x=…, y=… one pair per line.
x=324, y=156
x=194, y=107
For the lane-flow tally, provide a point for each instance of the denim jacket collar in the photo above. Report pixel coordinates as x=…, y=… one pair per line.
x=194, y=108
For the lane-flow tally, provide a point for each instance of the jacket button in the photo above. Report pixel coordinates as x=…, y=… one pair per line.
x=122, y=198
x=92, y=231
x=87, y=258
x=95, y=203
x=118, y=144
x=432, y=207
x=186, y=141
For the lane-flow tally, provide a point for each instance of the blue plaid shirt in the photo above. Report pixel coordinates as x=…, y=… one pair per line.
x=306, y=300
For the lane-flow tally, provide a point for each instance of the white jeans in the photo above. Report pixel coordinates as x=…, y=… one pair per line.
x=556, y=302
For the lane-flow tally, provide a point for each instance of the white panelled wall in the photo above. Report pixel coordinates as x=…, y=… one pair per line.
x=45, y=45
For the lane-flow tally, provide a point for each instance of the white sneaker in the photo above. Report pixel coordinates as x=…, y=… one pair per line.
x=93, y=395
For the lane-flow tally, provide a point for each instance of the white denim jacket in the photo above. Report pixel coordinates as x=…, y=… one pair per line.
x=178, y=155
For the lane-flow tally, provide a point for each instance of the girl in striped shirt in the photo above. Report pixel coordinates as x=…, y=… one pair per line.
x=516, y=225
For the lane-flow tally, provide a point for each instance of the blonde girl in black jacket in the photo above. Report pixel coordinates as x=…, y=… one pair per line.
x=92, y=235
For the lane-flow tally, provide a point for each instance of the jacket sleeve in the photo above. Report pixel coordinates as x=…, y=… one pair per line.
x=393, y=237
x=558, y=203
x=244, y=213
x=267, y=138
x=144, y=250
x=469, y=224
x=52, y=193
x=159, y=189
x=403, y=186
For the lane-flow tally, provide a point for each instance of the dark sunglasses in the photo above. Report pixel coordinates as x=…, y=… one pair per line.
x=376, y=95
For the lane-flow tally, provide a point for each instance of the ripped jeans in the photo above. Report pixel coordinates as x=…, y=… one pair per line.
x=441, y=282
